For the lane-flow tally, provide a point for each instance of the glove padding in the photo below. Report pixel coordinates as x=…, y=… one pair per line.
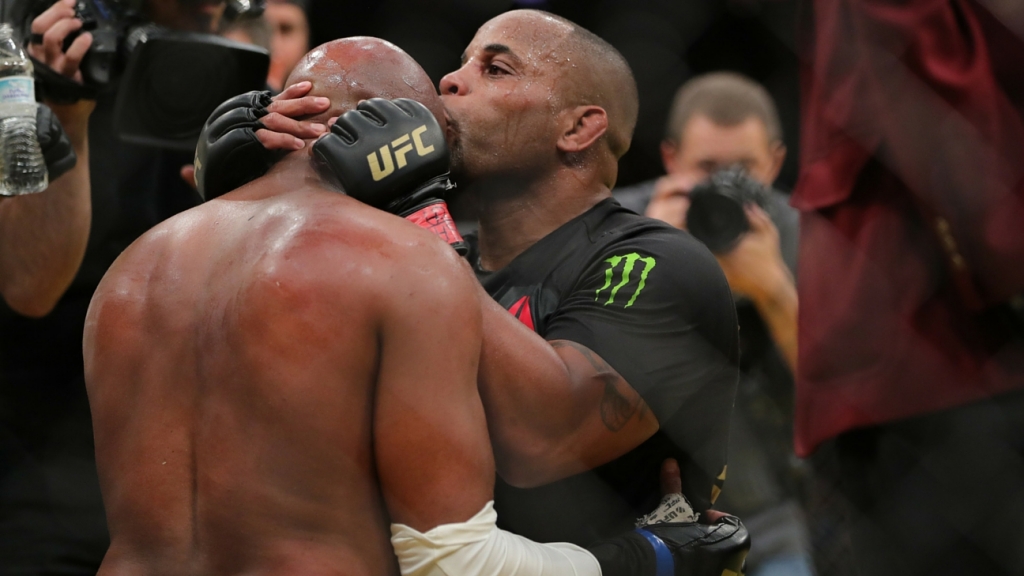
x=392, y=155
x=53, y=141
x=676, y=549
x=229, y=154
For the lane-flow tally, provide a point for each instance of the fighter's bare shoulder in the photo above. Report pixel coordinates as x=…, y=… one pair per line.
x=325, y=247
x=344, y=238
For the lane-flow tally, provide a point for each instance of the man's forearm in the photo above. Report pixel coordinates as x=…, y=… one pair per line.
x=43, y=236
x=519, y=377
x=778, y=307
x=553, y=409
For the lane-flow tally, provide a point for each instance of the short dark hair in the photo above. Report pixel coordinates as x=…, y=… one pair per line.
x=604, y=78
x=616, y=92
x=727, y=99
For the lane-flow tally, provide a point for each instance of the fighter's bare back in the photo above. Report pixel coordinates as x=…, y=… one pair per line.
x=274, y=378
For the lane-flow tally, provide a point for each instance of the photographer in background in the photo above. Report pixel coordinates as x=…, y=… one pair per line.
x=289, y=38
x=51, y=515
x=282, y=29
x=720, y=121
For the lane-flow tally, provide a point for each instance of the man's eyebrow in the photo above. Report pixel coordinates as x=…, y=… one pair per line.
x=493, y=49
x=498, y=49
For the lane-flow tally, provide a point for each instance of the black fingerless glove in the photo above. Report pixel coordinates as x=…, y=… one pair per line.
x=392, y=155
x=229, y=154
x=676, y=549
x=53, y=141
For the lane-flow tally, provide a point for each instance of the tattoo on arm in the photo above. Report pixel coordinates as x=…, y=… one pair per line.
x=617, y=406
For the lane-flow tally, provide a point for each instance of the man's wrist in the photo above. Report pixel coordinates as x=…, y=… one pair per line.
x=774, y=286
x=764, y=281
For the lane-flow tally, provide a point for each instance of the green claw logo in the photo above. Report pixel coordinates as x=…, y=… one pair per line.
x=629, y=262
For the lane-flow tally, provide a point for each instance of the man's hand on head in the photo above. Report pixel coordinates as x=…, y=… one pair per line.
x=671, y=199
x=248, y=133
x=281, y=129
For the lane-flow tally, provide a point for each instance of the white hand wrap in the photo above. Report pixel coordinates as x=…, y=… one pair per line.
x=479, y=548
x=673, y=508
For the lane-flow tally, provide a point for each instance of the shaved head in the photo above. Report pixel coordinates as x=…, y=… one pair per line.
x=358, y=68
x=537, y=95
x=598, y=74
x=604, y=79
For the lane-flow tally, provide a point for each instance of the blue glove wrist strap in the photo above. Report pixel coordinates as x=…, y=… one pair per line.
x=663, y=556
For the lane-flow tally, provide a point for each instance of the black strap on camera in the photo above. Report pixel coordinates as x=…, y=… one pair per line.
x=57, y=88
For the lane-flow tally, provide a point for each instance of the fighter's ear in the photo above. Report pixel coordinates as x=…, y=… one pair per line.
x=584, y=125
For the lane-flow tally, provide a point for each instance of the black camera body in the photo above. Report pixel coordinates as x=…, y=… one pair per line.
x=118, y=25
x=717, y=215
x=110, y=23
x=167, y=82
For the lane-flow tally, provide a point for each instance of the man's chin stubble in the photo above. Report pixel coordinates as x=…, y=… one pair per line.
x=457, y=159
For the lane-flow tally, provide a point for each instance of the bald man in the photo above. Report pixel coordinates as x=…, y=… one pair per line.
x=279, y=374
x=637, y=356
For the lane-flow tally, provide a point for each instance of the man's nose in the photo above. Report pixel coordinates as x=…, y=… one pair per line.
x=453, y=85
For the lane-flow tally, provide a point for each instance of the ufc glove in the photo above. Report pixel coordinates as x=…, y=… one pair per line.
x=229, y=154
x=676, y=549
x=392, y=155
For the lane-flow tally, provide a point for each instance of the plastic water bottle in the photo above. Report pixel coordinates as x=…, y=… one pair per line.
x=22, y=168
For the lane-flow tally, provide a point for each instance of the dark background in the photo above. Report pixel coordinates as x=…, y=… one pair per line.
x=665, y=41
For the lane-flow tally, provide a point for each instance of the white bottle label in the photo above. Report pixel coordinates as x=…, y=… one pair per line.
x=17, y=90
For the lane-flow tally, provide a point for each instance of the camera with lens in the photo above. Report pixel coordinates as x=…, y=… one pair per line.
x=109, y=22
x=717, y=215
x=167, y=82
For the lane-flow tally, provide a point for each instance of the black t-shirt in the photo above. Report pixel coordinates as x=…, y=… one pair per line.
x=51, y=514
x=652, y=302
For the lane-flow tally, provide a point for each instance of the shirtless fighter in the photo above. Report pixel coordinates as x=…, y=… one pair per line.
x=277, y=375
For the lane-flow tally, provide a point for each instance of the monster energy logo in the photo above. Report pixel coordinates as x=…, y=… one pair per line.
x=629, y=262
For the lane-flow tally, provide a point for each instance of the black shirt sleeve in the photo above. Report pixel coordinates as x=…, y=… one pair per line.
x=657, y=308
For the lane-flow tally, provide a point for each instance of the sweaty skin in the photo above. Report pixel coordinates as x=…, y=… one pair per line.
x=535, y=136
x=277, y=375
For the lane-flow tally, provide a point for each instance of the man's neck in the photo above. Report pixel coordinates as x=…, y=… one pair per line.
x=290, y=173
x=297, y=167
x=512, y=222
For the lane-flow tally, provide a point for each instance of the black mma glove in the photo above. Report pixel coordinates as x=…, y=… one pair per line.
x=676, y=549
x=392, y=155
x=53, y=141
x=229, y=154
